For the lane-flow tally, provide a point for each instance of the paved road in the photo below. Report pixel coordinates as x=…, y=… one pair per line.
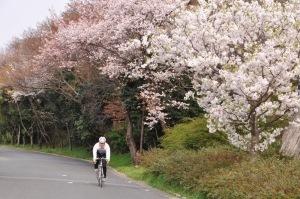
x=30, y=175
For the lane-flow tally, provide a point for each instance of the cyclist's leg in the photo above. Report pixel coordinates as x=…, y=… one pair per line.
x=96, y=165
x=104, y=171
x=104, y=168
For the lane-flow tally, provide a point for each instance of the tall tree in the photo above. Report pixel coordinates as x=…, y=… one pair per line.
x=244, y=57
x=100, y=38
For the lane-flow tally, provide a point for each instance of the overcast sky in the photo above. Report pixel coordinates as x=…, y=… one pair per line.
x=19, y=15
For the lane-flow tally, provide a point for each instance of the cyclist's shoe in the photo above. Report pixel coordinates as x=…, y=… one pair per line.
x=104, y=179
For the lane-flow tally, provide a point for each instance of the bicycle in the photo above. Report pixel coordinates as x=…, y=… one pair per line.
x=100, y=172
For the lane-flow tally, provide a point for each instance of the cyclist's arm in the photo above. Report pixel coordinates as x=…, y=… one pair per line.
x=107, y=152
x=95, y=152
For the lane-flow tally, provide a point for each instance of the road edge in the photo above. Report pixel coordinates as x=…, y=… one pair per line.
x=170, y=195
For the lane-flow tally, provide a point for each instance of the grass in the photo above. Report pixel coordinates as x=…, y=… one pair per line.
x=78, y=152
x=122, y=163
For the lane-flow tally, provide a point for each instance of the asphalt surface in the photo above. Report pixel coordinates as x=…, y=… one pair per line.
x=32, y=175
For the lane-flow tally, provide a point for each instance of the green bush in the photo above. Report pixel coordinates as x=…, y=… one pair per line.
x=261, y=178
x=186, y=167
x=224, y=172
x=153, y=156
x=5, y=138
x=192, y=134
x=117, y=141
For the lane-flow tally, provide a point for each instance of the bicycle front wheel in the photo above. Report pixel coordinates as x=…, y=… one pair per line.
x=98, y=178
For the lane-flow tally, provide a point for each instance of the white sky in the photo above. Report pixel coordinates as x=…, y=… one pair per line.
x=16, y=16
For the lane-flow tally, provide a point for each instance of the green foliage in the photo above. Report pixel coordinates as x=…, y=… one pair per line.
x=5, y=138
x=117, y=142
x=187, y=168
x=3, y=121
x=128, y=95
x=120, y=160
x=123, y=163
x=10, y=119
x=260, y=178
x=192, y=134
x=59, y=116
x=176, y=115
x=83, y=135
x=224, y=172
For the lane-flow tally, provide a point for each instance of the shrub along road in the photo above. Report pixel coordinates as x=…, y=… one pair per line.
x=30, y=175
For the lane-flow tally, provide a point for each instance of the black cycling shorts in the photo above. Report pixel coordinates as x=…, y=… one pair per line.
x=97, y=163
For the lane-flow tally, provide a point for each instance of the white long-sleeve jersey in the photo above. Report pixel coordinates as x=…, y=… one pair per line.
x=97, y=146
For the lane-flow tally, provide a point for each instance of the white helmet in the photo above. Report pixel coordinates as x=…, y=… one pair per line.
x=102, y=140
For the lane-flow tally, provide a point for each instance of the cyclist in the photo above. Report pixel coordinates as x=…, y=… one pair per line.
x=101, y=150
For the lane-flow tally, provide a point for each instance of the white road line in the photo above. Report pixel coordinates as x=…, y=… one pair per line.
x=36, y=178
x=69, y=180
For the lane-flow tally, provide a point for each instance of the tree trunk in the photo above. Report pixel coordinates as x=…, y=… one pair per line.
x=254, y=133
x=69, y=137
x=142, y=132
x=291, y=140
x=21, y=120
x=38, y=136
x=19, y=135
x=40, y=125
x=129, y=139
x=31, y=138
x=24, y=139
x=12, y=141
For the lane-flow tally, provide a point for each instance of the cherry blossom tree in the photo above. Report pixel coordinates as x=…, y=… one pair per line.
x=244, y=57
x=239, y=59
x=109, y=35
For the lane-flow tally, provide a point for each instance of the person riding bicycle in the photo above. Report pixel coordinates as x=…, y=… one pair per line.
x=101, y=150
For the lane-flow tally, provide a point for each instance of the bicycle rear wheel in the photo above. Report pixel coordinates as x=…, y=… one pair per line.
x=101, y=177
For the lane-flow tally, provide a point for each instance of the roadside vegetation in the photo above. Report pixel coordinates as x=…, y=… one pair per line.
x=219, y=171
x=193, y=96
x=222, y=171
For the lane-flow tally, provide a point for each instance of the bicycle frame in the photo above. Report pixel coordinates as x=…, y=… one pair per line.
x=100, y=173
